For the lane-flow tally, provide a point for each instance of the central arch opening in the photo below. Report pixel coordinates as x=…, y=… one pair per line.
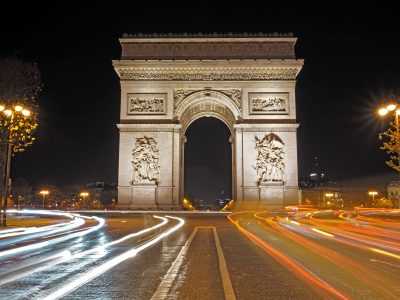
x=208, y=163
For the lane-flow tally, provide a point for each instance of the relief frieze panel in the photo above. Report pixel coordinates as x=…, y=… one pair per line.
x=220, y=74
x=269, y=103
x=140, y=103
x=234, y=94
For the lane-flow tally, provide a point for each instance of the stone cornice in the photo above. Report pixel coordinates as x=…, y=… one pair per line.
x=207, y=35
x=199, y=74
x=208, y=47
x=149, y=127
x=214, y=63
x=266, y=127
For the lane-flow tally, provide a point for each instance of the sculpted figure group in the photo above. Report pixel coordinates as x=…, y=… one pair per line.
x=270, y=155
x=145, y=160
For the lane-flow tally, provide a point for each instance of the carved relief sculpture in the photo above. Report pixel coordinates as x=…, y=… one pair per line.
x=269, y=163
x=207, y=73
x=145, y=161
x=234, y=94
x=269, y=103
x=146, y=103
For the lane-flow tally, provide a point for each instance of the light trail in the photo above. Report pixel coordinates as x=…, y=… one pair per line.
x=35, y=232
x=322, y=232
x=66, y=256
x=347, y=264
x=358, y=237
x=92, y=274
x=39, y=245
x=65, y=226
x=365, y=234
x=385, y=253
x=60, y=257
x=316, y=283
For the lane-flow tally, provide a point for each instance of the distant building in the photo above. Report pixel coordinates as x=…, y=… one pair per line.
x=393, y=191
x=105, y=193
x=222, y=200
x=318, y=190
x=316, y=178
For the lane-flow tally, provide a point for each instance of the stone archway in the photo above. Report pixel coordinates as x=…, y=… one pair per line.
x=207, y=166
x=207, y=103
x=168, y=82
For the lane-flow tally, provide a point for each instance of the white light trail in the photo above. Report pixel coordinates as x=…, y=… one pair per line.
x=43, y=265
x=111, y=263
x=14, y=251
x=13, y=230
x=29, y=230
x=135, y=234
x=385, y=253
x=322, y=232
x=84, y=253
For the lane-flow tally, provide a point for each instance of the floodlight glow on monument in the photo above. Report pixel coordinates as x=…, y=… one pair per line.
x=18, y=107
x=26, y=112
x=391, y=107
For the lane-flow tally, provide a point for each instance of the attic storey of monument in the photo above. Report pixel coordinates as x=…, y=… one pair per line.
x=169, y=82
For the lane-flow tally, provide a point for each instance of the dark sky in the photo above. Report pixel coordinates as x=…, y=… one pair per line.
x=352, y=62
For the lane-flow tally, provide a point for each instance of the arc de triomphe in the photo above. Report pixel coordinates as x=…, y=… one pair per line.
x=246, y=81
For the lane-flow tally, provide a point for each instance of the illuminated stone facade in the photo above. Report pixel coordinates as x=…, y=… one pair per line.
x=167, y=82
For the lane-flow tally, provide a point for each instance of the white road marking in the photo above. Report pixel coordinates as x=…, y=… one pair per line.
x=166, y=283
x=101, y=269
x=226, y=281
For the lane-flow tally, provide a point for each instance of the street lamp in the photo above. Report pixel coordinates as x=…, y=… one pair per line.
x=84, y=195
x=329, y=196
x=44, y=193
x=392, y=136
x=9, y=121
x=373, y=194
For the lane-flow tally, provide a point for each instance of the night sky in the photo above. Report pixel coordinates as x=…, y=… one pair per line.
x=352, y=63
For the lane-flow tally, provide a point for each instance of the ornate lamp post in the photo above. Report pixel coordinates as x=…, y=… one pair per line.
x=391, y=136
x=10, y=118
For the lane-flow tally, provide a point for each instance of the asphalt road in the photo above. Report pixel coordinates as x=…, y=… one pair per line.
x=322, y=255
